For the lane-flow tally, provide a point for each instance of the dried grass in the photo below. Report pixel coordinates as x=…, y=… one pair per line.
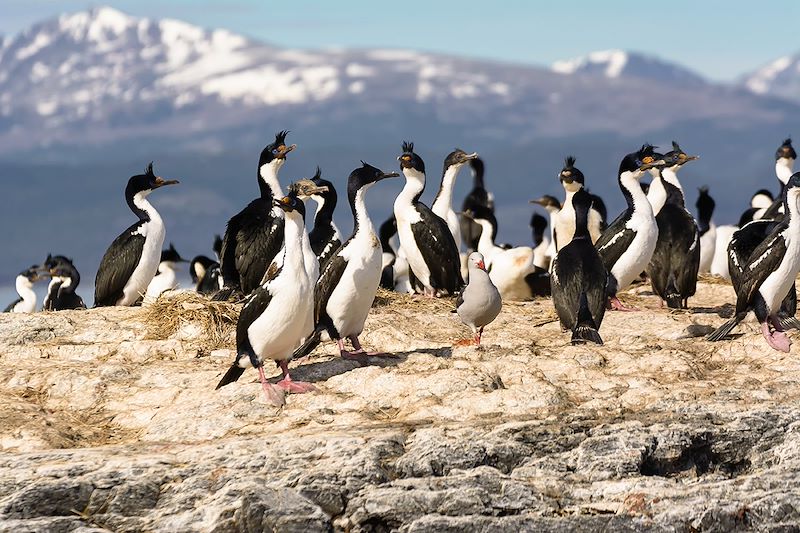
x=712, y=280
x=410, y=302
x=170, y=312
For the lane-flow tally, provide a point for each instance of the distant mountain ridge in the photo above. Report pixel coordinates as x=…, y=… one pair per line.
x=101, y=76
x=622, y=64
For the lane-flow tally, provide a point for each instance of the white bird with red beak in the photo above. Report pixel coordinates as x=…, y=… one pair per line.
x=480, y=301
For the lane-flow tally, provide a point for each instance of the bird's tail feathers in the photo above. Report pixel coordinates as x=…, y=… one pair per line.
x=790, y=322
x=723, y=331
x=585, y=328
x=233, y=374
x=308, y=346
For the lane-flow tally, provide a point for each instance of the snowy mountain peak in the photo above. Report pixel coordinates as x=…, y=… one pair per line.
x=621, y=64
x=610, y=62
x=779, y=78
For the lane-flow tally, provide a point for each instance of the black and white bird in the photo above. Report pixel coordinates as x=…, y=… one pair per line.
x=305, y=189
x=480, y=302
x=204, y=271
x=442, y=204
x=627, y=245
x=346, y=288
x=676, y=260
x=572, y=180
x=324, y=237
x=166, y=278
x=785, y=156
x=540, y=242
x=478, y=197
x=254, y=235
x=761, y=200
x=579, y=280
x=205, y=275
x=131, y=261
x=552, y=205
x=277, y=314
x=425, y=238
x=769, y=274
x=708, y=230
x=26, y=303
x=512, y=270
x=64, y=281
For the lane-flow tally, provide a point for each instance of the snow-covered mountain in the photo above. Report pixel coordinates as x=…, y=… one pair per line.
x=101, y=76
x=779, y=78
x=622, y=64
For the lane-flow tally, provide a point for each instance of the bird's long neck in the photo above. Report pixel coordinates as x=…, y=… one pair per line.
x=444, y=198
x=415, y=184
x=634, y=196
x=323, y=216
x=582, y=219
x=25, y=289
x=486, y=242
x=143, y=208
x=362, y=224
x=784, y=168
x=704, y=214
x=268, y=180
x=670, y=175
x=293, y=231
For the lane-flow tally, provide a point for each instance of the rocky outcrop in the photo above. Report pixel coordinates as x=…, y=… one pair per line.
x=110, y=422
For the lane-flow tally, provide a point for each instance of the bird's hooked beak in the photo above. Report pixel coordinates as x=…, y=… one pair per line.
x=283, y=150
x=307, y=188
x=480, y=264
x=470, y=157
x=284, y=203
x=650, y=162
x=539, y=201
x=160, y=182
x=469, y=214
x=389, y=175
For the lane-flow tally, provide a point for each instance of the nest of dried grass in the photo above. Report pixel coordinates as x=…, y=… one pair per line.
x=410, y=302
x=712, y=280
x=172, y=311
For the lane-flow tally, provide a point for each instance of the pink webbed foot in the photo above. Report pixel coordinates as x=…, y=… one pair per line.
x=287, y=384
x=466, y=342
x=273, y=394
x=778, y=340
x=616, y=305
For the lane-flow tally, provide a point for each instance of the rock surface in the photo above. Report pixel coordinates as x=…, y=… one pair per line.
x=108, y=426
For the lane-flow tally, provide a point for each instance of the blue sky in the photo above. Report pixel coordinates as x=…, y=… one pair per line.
x=721, y=39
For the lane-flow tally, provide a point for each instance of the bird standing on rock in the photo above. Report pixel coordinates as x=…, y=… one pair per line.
x=129, y=264
x=255, y=234
x=428, y=244
x=480, y=302
x=277, y=314
x=579, y=279
x=769, y=274
x=627, y=245
x=345, y=291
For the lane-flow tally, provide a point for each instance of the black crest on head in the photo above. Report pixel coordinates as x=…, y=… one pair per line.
x=317, y=174
x=408, y=147
x=280, y=137
x=149, y=171
x=569, y=162
x=786, y=150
